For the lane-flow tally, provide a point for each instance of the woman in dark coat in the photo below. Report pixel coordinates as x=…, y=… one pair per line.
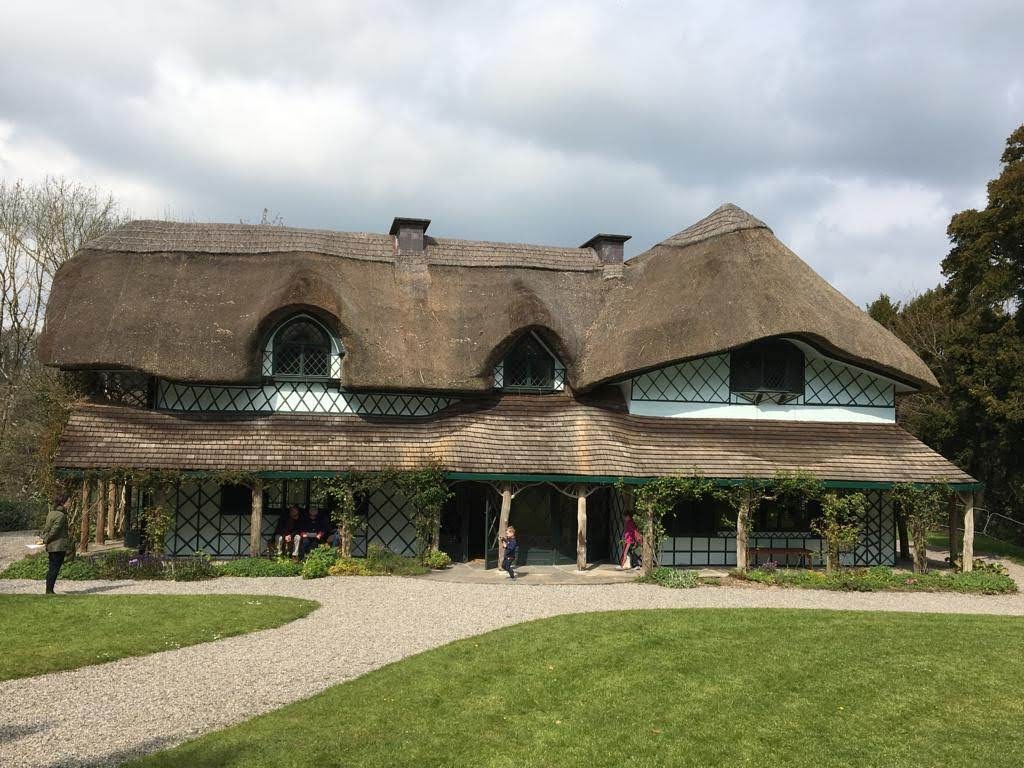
x=55, y=537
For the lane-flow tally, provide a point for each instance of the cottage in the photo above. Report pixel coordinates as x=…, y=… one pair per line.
x=537, y=376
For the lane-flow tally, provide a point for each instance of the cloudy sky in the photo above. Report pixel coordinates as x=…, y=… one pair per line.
x=854, y=129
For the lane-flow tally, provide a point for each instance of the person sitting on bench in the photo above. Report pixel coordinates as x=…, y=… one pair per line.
x=286, y=536
x=326, y=524
x=311, y=532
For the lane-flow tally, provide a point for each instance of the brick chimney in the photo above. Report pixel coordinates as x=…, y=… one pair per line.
x=608, y=247
x=409, y=233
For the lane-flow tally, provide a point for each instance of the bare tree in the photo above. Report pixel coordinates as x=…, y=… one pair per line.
x=41, y=226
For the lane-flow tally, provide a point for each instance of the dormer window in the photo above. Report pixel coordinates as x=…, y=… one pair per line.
x=767, y=371
x=302, y=349
x=529, y=366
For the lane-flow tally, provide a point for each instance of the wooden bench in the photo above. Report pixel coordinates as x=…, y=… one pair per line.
x=805, y=555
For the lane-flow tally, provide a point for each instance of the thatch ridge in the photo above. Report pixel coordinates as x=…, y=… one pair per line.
x=191, y=302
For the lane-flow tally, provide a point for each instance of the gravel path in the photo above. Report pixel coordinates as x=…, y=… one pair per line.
x=12, y=545
x=104, y=714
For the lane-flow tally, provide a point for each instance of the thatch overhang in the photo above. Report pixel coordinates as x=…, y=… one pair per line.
x=554, y=436
x=195, y=302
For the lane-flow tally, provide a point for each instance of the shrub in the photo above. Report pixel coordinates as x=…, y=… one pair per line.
x=881, y=578
x=436, y=559
x=195, y=568
x=258, y=567
x=21, y=515
x=34, y=567
x=318, y=562
x=673, y=578
x=349, y=566
x=384, y=562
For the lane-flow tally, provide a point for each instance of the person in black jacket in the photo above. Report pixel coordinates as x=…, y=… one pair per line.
x=511, y=550
x=286, y=534
x=311, y=532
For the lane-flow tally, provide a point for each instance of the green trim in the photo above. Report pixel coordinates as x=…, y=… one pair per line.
x=541, y=478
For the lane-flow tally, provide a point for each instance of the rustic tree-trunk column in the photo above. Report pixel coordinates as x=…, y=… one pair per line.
x=741, y=533
x=506, y=509
x=581, y=528
x=83, y=535
x=101, y=513
x=967, y=557
x=901, y=532
x=112, y=511
x=954, y=533
x=256, y=522
x=647, y=552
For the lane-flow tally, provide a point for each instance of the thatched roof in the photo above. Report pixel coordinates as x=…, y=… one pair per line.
x=546, y=435
x=194, y=302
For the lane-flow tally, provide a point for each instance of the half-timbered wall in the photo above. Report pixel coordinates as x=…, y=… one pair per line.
x=877, y=545
x=833, y=391
x=200, y=524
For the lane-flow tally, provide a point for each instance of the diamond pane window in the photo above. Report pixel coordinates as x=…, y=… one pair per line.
x=529, y=366
x=770, y=371
x=302, y=349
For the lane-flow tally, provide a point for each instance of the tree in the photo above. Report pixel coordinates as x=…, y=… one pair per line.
x=840, y=525
x=970, y=332
x=41, y=227
x=923, y=507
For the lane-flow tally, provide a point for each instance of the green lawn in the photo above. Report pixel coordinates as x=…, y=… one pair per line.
x=666, y=688
x=40, y=633
x=983, y=545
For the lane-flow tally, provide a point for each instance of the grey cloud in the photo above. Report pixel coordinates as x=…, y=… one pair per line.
x=537, y=121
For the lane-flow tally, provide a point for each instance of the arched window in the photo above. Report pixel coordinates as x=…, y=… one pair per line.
x=529, y=366
x=302, y=348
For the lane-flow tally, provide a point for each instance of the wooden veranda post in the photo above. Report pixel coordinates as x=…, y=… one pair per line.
x=581, y=528
x=969, y=499
x=506, y=509
x=954, y=526
x=741, y=533
x=111, y=510
x=83, y=534
x=647, y=552
x=101, y=513
x=256, y=522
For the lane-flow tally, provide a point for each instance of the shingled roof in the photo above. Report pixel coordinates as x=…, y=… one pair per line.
x=537, y=435
x=194, y=302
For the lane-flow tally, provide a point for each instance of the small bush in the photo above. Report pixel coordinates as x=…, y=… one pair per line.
x=673, y=578
x=349, y=566
x=319, y=561
x=21, y=515
x=437, y=560
x=881, y=578
x=34, y=567
x=384, y=562
x=196, y=568
x=258, y=567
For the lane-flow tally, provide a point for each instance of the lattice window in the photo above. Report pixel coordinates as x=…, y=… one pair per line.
x=830, y=382
x=118, y=387
x=530, y=366
x=302, y=348
x=705, y=380
x=294, y=397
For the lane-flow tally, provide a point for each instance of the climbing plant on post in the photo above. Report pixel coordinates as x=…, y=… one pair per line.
x=659, y=497
x=746, y=496
x=922, y=506
x=343, y=494
x=840, y=525
x=427, y=492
